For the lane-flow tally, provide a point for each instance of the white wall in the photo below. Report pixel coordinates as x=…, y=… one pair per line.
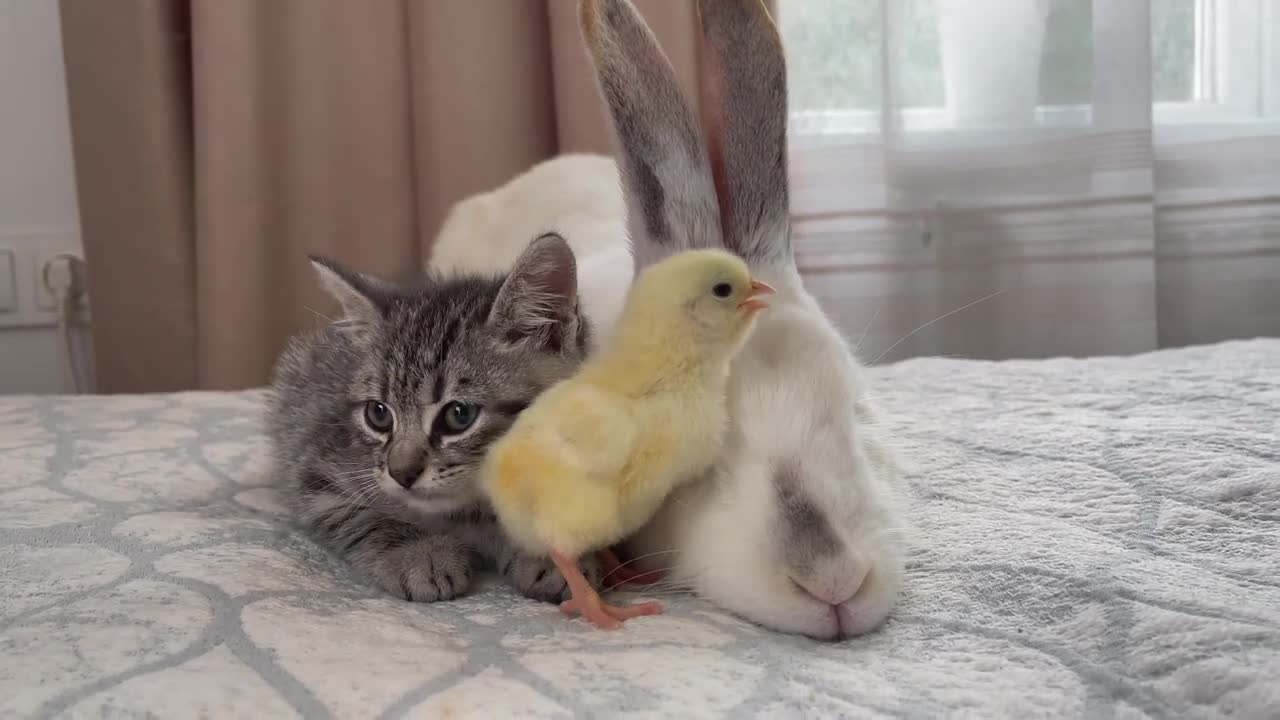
x=38, y=214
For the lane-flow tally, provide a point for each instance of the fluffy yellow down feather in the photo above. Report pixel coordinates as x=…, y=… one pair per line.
x=592, y=459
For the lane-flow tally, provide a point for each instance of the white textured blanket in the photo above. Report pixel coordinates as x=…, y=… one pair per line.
x=1098, y=538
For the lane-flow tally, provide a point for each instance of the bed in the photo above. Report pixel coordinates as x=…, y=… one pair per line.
x=1097, y=538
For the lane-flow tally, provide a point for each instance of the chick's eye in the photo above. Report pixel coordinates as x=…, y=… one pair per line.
x=378, y=416
x=722, y=290
x=457, y=417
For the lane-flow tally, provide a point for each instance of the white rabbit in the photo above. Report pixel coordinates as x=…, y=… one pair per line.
x=578, y=197
x=575, y=195
x=799, y=527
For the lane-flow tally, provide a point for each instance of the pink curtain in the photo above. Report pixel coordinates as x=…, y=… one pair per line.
x=218, y=142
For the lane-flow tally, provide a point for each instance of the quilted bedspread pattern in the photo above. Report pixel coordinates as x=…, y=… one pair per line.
x=1096, y=538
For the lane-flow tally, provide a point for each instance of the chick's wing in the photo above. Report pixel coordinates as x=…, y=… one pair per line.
x=597, y=430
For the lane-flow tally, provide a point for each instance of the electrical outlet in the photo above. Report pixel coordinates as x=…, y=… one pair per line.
x=43, y=295
x=8, y=281
x=45, y=299
x=23, y=254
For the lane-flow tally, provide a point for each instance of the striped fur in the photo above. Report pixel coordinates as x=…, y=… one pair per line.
x=491, y=342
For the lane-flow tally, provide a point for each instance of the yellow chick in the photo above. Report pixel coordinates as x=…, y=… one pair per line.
x=594, y=456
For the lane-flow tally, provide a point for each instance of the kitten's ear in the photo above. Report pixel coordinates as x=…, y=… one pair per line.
x=362, y=297
x=538, y=303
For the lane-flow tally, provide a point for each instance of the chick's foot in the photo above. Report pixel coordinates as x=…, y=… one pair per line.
x=604, y=615
x=586, y=601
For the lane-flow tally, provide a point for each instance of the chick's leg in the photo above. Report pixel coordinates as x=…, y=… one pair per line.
x=587, y=603
x=616, y=572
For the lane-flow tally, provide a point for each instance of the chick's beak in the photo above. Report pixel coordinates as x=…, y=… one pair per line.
x=752, y=302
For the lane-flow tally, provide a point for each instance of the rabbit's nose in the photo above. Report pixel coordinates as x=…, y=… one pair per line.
x=834, y=582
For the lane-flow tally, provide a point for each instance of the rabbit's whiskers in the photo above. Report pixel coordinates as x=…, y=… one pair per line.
x=943, y=317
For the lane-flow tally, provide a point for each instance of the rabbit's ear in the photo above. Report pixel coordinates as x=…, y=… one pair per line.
x=666, y=177
x=743, y=90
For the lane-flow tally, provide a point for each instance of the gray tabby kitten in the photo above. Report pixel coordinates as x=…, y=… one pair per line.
x=380, y=420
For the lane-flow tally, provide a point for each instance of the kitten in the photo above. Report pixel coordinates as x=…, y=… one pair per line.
x=380, y=420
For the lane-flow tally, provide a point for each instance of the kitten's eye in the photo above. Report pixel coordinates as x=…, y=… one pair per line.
x=456, y=417
x=722, y=290
x=378, y=416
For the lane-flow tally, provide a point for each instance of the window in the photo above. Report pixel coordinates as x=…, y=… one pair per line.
x=951, y=65
x=1215, y=61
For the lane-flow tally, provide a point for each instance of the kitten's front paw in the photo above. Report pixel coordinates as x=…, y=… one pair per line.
x=540, y=579
x=426, y=570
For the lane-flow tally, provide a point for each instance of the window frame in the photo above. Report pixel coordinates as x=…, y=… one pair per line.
x=1234, y=92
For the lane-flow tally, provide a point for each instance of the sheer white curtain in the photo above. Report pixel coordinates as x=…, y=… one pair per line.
x=1110, y=168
